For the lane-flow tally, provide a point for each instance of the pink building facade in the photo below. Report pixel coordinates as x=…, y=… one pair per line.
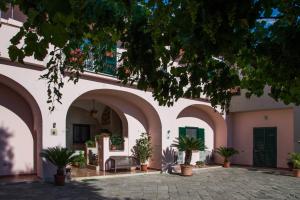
x=27, y=126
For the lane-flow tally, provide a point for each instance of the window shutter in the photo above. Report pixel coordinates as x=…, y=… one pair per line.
x=201, y=136
x=182, y=132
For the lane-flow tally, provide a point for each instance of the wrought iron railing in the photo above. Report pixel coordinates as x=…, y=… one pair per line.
x=108, y=66
x=103, y=64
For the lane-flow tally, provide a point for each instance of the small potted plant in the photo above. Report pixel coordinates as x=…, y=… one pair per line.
x=142, y=150
x=295, y=158
x=60, y=157
x=188, y=145
x=116, y=141
x=79, y=160
x=200, y=164
x=90, y=143
x=226, y=153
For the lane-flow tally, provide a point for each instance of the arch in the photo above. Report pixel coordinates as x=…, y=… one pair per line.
x=212, y=118
x=128, y=105
x=22, y=106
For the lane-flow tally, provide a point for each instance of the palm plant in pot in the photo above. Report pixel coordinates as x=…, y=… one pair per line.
x=226, y=153
x=295, y=158
x=79, y=160
x=188, y=145
x=142, y=150
x=60, y=157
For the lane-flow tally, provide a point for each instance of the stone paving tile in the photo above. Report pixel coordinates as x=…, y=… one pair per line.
x=216, y=184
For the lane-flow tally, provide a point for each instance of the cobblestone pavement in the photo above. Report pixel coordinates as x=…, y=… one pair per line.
x=219, y=184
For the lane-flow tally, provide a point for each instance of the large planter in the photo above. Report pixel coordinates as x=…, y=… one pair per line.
x=59, y=180
x=186, y=170
x=226, y=164
x=144, y=167
x=296, y=172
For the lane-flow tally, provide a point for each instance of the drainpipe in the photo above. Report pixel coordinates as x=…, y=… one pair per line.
x=12, y=11
x=0, y=18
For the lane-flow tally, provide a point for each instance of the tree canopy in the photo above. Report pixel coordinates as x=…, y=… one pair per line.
x=216, y=44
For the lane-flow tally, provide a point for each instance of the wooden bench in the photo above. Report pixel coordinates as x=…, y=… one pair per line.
x=123, y=162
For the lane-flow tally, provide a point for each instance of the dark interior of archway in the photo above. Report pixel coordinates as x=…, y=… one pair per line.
x=88, y=118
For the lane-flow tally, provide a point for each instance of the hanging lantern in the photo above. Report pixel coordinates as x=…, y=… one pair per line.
x=94, y=112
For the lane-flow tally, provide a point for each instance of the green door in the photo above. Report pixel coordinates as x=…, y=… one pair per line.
x=265, y=147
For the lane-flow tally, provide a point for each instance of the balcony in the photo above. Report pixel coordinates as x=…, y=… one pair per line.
x=107, y=65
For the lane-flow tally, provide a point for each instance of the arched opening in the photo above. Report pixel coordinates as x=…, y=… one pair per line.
x=87, y=118
x=205, y=123
x=20, y=130
x=127, y=114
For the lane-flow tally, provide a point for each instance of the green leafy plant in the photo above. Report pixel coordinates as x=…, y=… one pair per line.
x=79, y=160
x=226, y=152
x=142, y=150
x=90, y=143
x=236, y=37
x=116, y=140
x=97, y=137
x=295, y=158
x=60, y=157
x=200, y=163
x=188, y=145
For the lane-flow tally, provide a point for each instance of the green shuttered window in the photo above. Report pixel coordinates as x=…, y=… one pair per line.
x=193, y=132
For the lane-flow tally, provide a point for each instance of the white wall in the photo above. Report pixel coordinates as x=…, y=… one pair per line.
x=243, y=124
x=139, y=108
x=265, y=102
x=16, y=136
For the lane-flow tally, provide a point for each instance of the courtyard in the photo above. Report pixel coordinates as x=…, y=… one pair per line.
x=211, y=184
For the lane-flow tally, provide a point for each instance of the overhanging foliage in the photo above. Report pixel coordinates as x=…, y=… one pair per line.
x=219, y=44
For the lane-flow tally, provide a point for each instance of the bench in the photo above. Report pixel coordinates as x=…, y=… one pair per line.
x=123, y=162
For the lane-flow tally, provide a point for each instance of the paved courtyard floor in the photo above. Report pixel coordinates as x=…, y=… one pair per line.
x=219, y=184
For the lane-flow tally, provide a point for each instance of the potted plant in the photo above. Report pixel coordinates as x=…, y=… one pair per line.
x=295, y=158
x=226, y=153
x=188, y=145
x=142, y=150
x=60, y=157
x=116, y=141
x=79, y=160
x=200, y=164
x=90, y=143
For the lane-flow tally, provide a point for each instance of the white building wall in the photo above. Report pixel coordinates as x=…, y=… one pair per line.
x=241, y=104
x=142, y=112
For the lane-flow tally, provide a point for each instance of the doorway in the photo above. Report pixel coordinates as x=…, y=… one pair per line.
x=265, y=147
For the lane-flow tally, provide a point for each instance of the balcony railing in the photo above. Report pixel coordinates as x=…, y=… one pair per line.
x=108, y=65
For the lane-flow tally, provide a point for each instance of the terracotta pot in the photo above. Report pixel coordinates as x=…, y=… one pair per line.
x=113, y=147
x=226, y=164
x=186, y=170
x=296, y=172
x=144, y=167
x=59, y=180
